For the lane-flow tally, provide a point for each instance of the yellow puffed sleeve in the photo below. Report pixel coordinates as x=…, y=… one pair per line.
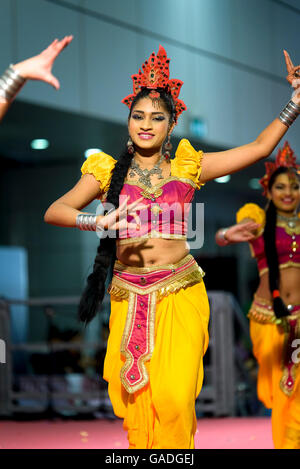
x=252, y=211
x=187, y=163
x=101, y=166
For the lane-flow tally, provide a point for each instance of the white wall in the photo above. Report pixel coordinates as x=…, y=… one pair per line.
x=228, y=53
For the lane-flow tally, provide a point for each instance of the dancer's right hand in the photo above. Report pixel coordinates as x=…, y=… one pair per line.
x=242, y=232
x=117, y=219
x=40, y=66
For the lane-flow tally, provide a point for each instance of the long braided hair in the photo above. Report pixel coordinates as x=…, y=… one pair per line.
x=279, y=307
x=93, y=294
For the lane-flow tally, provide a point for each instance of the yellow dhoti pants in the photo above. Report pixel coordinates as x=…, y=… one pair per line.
x=162, y=413
x=269, y=348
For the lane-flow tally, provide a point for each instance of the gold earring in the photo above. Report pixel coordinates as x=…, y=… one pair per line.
x=168, y=148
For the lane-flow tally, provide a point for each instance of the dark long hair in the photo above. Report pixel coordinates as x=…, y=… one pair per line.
x=94, y=291
x=279, y=307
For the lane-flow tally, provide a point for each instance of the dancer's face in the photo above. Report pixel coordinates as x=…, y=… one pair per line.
x=285, y=192
x=149, y=124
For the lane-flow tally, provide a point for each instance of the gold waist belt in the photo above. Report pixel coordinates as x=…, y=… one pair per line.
x=261, y=310
x=163, y=279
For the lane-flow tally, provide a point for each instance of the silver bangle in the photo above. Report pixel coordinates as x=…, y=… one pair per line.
x=10, y=84
x=86, y=222
x=222, y=233
x=289, y=113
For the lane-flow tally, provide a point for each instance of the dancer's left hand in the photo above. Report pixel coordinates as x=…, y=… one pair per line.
x=40, y=66
x=293, y=77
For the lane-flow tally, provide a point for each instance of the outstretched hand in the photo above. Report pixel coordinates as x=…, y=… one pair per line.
x=242, y=232
x=293, y=76
x=117, y=219
x=40, y=66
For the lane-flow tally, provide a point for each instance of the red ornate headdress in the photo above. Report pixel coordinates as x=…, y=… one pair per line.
x=286, y=158
x=156, y=75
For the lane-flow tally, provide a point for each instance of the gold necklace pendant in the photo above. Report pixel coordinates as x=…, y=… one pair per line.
x=291, y=222
x=149, y=193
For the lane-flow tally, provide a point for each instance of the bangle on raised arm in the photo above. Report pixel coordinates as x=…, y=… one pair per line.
x=221, y=236
x=289, y=113
x=10, y=84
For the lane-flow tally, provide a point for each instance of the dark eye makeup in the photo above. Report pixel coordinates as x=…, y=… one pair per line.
x=280, y=186
x=140, y=116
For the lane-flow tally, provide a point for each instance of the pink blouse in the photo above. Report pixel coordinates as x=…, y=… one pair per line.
x=287, y=240
x=168, y=202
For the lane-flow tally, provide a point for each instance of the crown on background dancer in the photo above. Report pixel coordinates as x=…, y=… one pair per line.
x=285, y=157
x=155, y=75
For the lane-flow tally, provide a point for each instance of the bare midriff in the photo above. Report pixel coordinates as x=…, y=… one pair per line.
x=289, y=286
x=152, y=252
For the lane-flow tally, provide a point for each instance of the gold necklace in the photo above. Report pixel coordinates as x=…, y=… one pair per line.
x=290, y=221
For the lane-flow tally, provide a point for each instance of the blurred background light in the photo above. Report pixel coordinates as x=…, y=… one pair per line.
x=90, y=151
x=223, y=179
x=39, y=144
x=198, y=128
x=254, y=183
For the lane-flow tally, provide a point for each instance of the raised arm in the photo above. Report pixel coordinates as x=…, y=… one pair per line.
x=218, y=164
x=38, y=67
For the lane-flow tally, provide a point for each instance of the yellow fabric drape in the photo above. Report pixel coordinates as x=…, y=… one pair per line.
x=268, y=348
x=187, y=163
x=162, y=414
x=101, y=166
x=252, y=211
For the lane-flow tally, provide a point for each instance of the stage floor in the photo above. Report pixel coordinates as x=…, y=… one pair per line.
x=225, y=433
